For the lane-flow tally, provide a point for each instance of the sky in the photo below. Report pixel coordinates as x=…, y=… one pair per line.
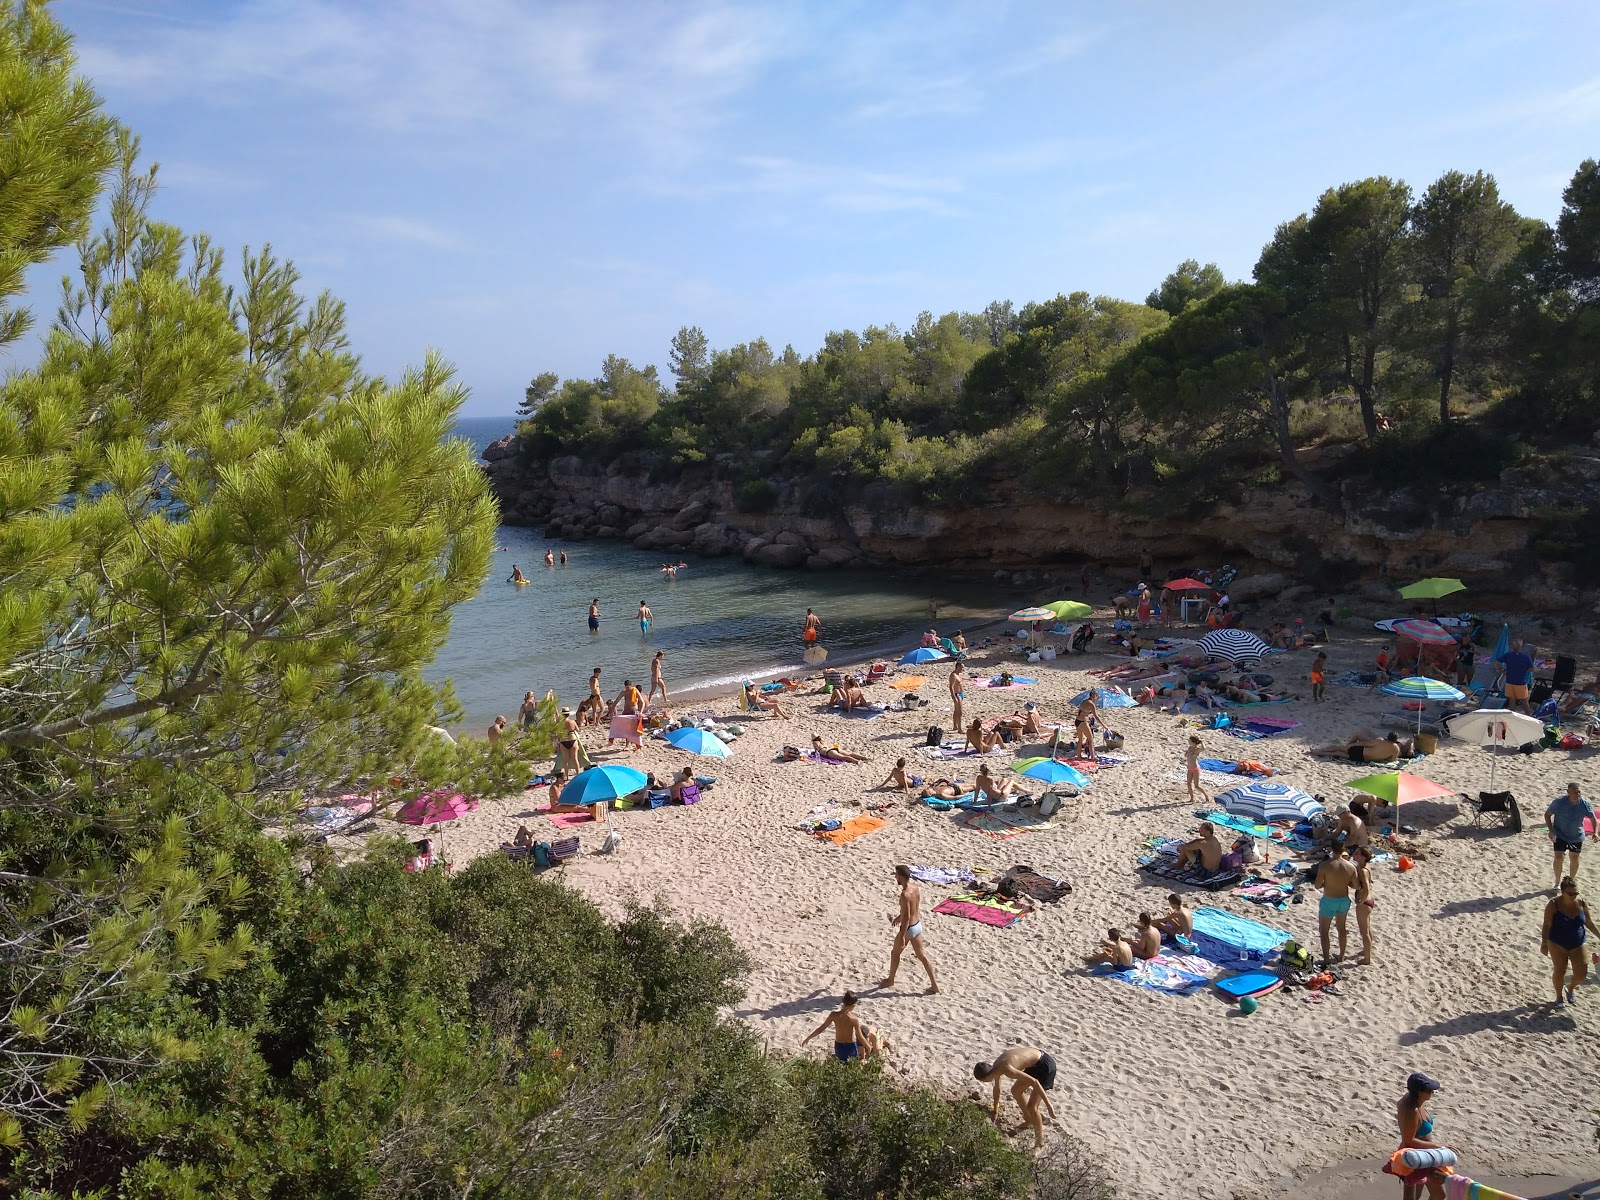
x=532, y=186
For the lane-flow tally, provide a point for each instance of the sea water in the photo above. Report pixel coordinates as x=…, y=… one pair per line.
x=720, y=621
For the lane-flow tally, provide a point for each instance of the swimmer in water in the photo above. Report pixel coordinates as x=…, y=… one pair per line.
x=549, y=559
x=516, y=574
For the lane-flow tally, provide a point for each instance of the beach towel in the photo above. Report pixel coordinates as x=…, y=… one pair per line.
x=1017, y=681
x=1261, y=891
x=628, y=728
x=987, y=910
x=1227, y=766
x=566, y=820
x=1174, y=974
x=957, y=750
x=849, y=831
x=1030, y=883
x=813, y=756
x=1003, y=823
x=965, y=800
x=1256, y=728
x=1227, y=820
x=943, y=875
x=1459, y=1187
x=1165, y=866
x=1229, y=940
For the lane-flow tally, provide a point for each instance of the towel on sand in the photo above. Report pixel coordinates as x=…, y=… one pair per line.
x=947, y=875
x=1165, y=866
x=1003, y=823
x=1017, y=681
x=1174, y=974
x=850, y=830
x=1025, y=881
x=959, y=750
x=1228, y=766
x=989, y=910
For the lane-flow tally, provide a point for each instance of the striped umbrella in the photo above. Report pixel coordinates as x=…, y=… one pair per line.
x=1420, y=687
x=1036, y=613
x=1049, y=770
x=1234, y=645
x=1106, y=698
x=1264, y=801
x=1424, y=633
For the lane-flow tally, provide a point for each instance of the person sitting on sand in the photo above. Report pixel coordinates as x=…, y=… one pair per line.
x=897, y=778
x=960, y=641
x=847, y=695
x=1204, y=851
x=1147, y=941
x=1022, y=724
x=684, y=779
x=1176, y=922
x=1116, y=950
x=1351, y=829
x=1033, y=1073
x=835, y=752
x=979, y=741
x=987, y=787
x=761, y=703
x=596, y=810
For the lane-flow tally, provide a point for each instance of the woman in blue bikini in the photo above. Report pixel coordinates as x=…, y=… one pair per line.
x=1416, y=1132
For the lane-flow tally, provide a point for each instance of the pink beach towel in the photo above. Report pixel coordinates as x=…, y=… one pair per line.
x=629, y=728
x=565, y=820
x=982, y=913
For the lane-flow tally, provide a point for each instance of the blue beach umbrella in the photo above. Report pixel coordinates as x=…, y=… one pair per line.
x=924, y=654
x=698, y=741
x=1048, y=770
x=1264, y=801
x=1106, y=698
x=599, y=784
x=1420, y=687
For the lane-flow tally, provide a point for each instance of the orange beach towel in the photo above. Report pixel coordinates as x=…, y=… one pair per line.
x=850, y=830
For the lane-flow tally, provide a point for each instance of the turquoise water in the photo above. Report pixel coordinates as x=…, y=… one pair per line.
x=720, y=621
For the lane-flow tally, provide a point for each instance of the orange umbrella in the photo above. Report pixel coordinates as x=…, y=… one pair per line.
x=1188, y=585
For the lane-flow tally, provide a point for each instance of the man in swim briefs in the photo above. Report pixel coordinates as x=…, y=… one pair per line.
x=1335, y=877
x=848, y=1031
x=908, y=930
x=1033, y=1074
x=645, y=616
x=594, y=615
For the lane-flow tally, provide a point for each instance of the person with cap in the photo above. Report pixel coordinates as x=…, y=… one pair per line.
x=567, y=747
x=1416, y=1133
x=1033, y=1073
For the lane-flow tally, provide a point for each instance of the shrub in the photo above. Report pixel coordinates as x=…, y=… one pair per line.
x=757, y=496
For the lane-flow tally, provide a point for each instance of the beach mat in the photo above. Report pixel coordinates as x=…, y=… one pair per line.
x=1227, y=820
x=958, y=750
x=567, y=820
x=986, y=910
x=1173, y=974
x=1227, y=939
x=1166, y=867
x=1003, y=823
x=1228, y=766
x=1017, y=682
x=850, y=830
x=1030, y=883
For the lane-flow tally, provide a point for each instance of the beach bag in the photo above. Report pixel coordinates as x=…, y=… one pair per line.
x=1219, y=721
x=541, y=855
x=1049, y=804
x=1295, y=955
x=790, y=753
x=689, y=794
x=1113, y=740
x=935, y=736
x=1572, y=741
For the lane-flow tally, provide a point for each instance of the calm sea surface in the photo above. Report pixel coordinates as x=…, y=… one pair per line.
x=720, y=621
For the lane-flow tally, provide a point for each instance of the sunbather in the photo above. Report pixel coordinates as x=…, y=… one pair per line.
x=1366, y=750
x=1204, y=851
x=987, y=787
x=1115, y=950
x=685, y=779
x=849, y=695
x=757, y=702
x=1022, y=724
x=1147, y=941
x=835, y=752
x=979, y=740
x=1205, y=697
x=942, y=789
x=1177, y=922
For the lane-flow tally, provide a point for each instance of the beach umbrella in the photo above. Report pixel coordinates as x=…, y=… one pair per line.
x=1188, y=585
x=1264, y=801
x=924, y=654
x=599, y=784
x=1424, y=633
x=1432, y=589
x=1234, y=645
x=699, y=741
x=815, y=654
x=1036, y=613
x=1048, y=770
x=1421, y=687
x=436, y=807
x=908, y=683
x=1398, y=787
x=1502, y=645
x=1069, y=610
x=1106, y=697
x=1495, y=728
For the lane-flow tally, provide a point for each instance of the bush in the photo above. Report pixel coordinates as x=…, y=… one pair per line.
x=757, y=496
x=1433, y=456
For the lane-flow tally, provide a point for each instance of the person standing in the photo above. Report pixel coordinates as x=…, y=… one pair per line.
x=594, y=615
x=958, y=692
x=812, y=630
x=1319, y=676
x=1517, y=664
x=933, y=609
x=1365, y=902
x=1335, y=878
x=549, y=559
x=496, y=729
x=1416, y=1133
x=656, y=682
x=528, y=711
x=563, y=558
x=567, y=748
x=1191, y=761
x=1033, y=1074
x=597, y=706
x=908, y=930
x=1564, y=819
x=645, y=617
x=848, y=1032
x=1561, y=938
x=1466, y=662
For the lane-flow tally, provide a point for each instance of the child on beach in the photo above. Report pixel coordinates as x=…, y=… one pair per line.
x=1319, y=676
x=1191, y=758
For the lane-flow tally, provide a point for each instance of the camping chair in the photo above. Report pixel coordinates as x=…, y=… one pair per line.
x=1566, y=671
x=1500, y=807
x=949, y=648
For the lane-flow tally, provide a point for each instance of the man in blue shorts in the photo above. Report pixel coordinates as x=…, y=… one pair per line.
x=1565, y=818
x=1335, y=877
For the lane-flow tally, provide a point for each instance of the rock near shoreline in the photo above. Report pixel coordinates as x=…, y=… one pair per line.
x=1280, y=539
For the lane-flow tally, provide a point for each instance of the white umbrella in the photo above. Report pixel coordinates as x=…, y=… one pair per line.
x=1494, y=728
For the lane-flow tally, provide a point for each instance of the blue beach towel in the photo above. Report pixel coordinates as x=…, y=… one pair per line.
x=1229, y=940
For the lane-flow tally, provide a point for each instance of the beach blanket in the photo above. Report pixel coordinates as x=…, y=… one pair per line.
x=1165, y=866
x=1017, y=681
x=1256, y=728
x=958, y=750
x=1230, y=940
x=1227, y=820
x=1003, y=823
x=1226, y=766
x=1028, y=882
x=813, y=756
x=988, y=910
x=566, y=820
x=628, y=728
x=849, y=831
x=1214, y=779
x=1174, y=974
x=944, y=875
x=965, y=800
x=860, y=713
x=1267, y=892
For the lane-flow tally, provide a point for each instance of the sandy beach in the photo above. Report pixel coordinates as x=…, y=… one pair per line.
x=1182, y=1095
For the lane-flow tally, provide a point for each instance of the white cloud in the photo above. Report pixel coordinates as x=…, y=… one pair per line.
x=408, y=229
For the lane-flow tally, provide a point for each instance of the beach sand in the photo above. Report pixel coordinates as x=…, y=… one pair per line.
x=1179, y=1095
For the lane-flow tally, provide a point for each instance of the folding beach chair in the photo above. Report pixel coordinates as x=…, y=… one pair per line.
x=1566, y=671
x=1498, y=807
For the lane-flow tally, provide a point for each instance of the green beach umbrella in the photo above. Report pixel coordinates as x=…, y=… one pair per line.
x=1398, y=787
x=1432, y=589
x=1069, y=610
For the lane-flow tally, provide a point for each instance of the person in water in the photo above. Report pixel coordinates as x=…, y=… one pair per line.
x=1033, y=1074
x=594, y=615
x=563, y=558
x=549, y=559
x=516, y=574
x=645, y=617
x=657, y=684
x=1562, y=938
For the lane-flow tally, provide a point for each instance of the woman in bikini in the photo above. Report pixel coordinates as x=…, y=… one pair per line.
x=979, y=741
x=1416, y=1132
x=1365, y=903
x=1083, y=729
x=759, y=703
x=836, y=752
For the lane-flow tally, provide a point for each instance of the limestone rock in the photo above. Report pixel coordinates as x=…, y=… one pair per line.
x=780, y=554
x=692, y=514
x=506, y=447
x=1257, y=587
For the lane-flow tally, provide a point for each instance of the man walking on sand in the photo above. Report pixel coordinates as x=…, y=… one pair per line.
x=1335, y=877
x=908, y=929
x=1564, y=819
x=656, y=682
x=1033, y=1073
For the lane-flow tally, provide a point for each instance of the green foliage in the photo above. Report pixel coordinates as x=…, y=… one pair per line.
x=1188, y=283
x=756, y=496
x=1433, y=456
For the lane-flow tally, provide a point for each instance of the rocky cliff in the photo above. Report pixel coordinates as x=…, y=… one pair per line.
x=1485, y=537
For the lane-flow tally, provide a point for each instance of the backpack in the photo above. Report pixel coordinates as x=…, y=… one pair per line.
x=935, y=736
x=1295, y=955
x=541, y=855
x=1049, y=804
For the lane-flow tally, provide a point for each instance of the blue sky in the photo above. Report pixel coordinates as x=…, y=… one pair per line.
x=532, y=186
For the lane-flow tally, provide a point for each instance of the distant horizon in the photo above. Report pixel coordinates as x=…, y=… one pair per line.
x=530, y=187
